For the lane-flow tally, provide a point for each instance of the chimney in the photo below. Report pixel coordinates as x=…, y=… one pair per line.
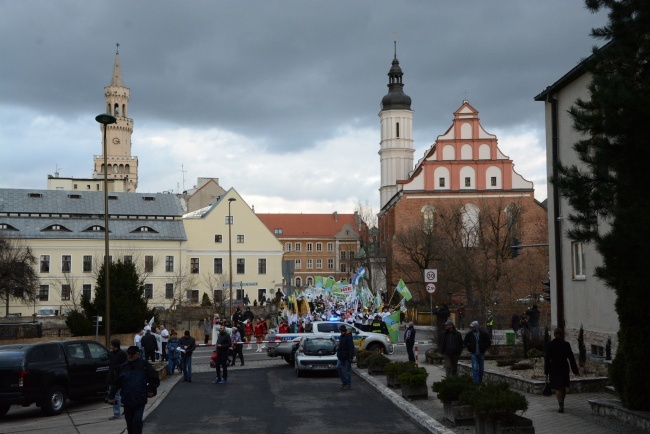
x=336, y=216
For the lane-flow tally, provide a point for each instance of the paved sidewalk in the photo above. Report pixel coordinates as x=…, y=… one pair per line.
x=578, y=417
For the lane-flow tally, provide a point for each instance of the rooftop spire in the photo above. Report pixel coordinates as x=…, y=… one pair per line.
x=116, y=78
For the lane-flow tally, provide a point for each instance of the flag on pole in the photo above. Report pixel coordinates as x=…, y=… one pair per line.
x=392, y=322
x=318, y=281
x=153, y=318
x=358, y=276
x=403, y=290
x=329, y=282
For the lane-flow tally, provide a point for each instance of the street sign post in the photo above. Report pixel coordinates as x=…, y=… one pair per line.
x=431, y=275
x=431, y=288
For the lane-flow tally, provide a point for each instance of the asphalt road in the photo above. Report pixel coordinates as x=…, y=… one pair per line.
x=274, y=400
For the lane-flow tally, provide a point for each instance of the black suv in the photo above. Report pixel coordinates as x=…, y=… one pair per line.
x=48, y=373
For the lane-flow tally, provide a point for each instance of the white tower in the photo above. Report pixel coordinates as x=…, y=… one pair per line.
x=396, y=146
x=122, y=167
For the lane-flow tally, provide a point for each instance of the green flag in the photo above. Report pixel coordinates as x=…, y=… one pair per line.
x=403, y=290
x=392, y=322
x=329, y=282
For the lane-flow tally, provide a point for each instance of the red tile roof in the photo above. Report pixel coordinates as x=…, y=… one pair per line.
x=308, y=225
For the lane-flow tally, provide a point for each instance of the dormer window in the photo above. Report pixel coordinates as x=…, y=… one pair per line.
x=57, y=228
x=144, y=229
x=277, y=231
x=35, y=195
x=7, y=227
x=149, y=198
x=112, y=197
x=95, y=228
x=74, y=196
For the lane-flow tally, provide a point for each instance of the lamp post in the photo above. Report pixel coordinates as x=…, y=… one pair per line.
x=106, y=119
x=231, y=200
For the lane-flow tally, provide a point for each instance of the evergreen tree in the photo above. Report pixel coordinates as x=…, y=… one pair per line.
x=610, y=196
x=128, y=304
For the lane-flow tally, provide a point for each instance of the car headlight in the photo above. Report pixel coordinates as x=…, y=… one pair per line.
x=387, y=339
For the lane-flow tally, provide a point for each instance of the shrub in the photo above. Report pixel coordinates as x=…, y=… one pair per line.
x=450, y=388
x=79, y=324
x=377, y=361
x=608, y=349
x=362, y=356
x=520, y=366
x=415, y=378
x=494, y=400
x=395, y=369
x=582, y=350
x=506, y=362
x=534, y=353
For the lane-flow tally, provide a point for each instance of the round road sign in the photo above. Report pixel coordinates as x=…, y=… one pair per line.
x=431, y=288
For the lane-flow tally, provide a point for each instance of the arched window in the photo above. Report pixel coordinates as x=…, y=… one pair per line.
x=397, y=129
x=115, y=168
x=428, y=216
x=117, y=110
x=466, y=152
x=127, y=168
x=513, y=220
x=310, y=281
x=467, y=178
x=121, y=168
x=298, y=282
x=123, y=109
x=471, y=225
x=448, y=152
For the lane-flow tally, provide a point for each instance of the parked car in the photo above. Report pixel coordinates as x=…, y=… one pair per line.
x=46, y=311
x=14, y=315
x=47, y=373
x=315, y=353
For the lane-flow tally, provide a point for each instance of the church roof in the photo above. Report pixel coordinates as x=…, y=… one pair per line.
x=116, y=78
x=395, y=99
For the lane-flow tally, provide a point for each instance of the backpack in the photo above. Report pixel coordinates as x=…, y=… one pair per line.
x=172, y=345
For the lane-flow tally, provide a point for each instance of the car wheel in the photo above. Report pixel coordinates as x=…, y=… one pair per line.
x=4, y=409
x=54, y=401
x=376, y=348
x=289, y=359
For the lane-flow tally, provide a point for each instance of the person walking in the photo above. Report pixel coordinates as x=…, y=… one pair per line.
x=207, y=329
x=345, y=354
x=409, y=340
x=149, y=345
x=223, y=345
x=452, y=346
x=556, y=366
x=188, y=344
x=173, y=358
x=533, y=321
x=260, y=330
x=137, y=381
x=237, y=347
x=164, y=338
x=116, y=358
x=477, y=342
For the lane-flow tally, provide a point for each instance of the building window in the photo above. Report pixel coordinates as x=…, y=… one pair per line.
x=193, y=295
x=297, y=247
x=319, y=263
x=319, y=247
x=397, y=130
x=310, y=247
x=218, y=265
x=194, y=265
x=343, y=255
x=330, y=247
x=441, y=182
x=127, y=259
x=578, y=250
x=148, y=264
x=169, y=264
x=298, y=264
x=241, y=266
x=330, y=264
x=87, y=264
x=471, y=225
x=310, y=264
x=277, y=231
x=229, y=219
x=261, y=266
x=45, y=263
x=66, y=263
x=493, y=181
x=240, y=239
x=310, y=281
x=468, y=181
x=298, y=282
x=598, y=350
x=261, y=294
x=428, y=216
x=287, y=247
x=65, y=292
x=169, y=291
x=43, y=292
x=344, y=268
x=217, y=294
x=87, y=291
x=351, y=255
x=239, y=294
x=218, y=238
x=148, y=291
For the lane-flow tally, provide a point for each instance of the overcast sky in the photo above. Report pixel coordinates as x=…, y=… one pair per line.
x=278, y=99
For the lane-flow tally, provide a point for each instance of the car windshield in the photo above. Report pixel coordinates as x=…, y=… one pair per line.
x=318, y=347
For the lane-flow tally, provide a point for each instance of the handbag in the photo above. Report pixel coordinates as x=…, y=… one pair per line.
x=213, y=360
x=546, y=391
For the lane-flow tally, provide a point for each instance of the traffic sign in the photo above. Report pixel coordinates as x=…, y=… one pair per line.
x=431, y=275
x=431, y=288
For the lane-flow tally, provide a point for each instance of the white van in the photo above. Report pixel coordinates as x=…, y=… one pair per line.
x=46, y=311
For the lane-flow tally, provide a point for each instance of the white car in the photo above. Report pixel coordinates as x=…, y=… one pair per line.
x=46, y=311
x=315, y=353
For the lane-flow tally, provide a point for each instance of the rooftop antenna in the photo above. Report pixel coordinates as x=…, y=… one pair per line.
x=56, y=170
x=395, y=42
x=117, y=51
x=465, y=99
x=183, y=171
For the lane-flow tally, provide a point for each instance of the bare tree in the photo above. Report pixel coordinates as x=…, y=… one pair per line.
x=369, y=255
x=18, y=279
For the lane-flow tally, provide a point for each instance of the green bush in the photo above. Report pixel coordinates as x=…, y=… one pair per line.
x=362, y=357
x=608, y=349
x=79, y=325
x=582, y=350
x=377, y=360
x=415, y=378
x=494, y=400
x=506, y=362
x=521, y=366
x=534, y=353
x=450, y=388
x=395, y=369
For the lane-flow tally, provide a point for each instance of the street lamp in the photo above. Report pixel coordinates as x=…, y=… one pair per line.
x=231, y=200
x=106, y=119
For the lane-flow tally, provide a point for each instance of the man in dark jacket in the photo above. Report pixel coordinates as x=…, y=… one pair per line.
x=345, y=354
x=188, y=345
x=223, y=345
x=379, y=326
x=452, y=346
x=477, y=342
x=442, y=314
x=248, y=315
x=136, y=382
x=409, y=340
x=533, y=321
x=149, y=345
x=116, y=358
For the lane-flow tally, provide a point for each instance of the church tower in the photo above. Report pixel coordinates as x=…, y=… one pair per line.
x=396, y=146
x=122, y=167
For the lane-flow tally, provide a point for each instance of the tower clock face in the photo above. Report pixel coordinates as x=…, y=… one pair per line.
x=116, y=141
